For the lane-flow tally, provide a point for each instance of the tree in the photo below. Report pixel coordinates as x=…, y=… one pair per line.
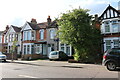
x=76, y=29
x=13, y=48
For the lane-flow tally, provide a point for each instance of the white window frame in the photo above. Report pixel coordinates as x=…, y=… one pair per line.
x=107, y=26
x=42, y=34
x=108, y=44
x=115, y=26
x=52, y=34
x=116, y=45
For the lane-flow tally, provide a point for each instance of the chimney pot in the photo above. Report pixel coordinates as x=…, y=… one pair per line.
x=96, y=17
x=33, y=21
x=48, y=20
x=7, y=27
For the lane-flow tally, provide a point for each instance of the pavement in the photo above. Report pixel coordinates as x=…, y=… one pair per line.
x=51, y=63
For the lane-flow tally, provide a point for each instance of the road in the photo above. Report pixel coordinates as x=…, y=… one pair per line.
x=55, y=69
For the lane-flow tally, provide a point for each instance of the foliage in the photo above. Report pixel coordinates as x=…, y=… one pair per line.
x=13, y=48
x=76, y=29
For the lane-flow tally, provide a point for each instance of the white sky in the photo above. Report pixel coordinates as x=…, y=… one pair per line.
x=17, y=12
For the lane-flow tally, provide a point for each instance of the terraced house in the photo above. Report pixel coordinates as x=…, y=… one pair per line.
x=13, y=34
x=110, y=27
x=33, y=40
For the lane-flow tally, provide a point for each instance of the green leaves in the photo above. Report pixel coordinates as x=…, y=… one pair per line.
x=76, y=29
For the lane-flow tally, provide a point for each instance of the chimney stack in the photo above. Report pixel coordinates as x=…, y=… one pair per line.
x=48, y=20
x=119, y=5
x=7, y=27
x=96, y=17
x=33, y=21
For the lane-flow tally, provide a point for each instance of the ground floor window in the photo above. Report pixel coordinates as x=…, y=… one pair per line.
x=10, y=49
x=111, y=43
x=116, y=43
x=32, y=49
x=62, y=47
x=108, y=44
x=28, y=49
x=66, y=48
x=39, y=48
x=24, y=49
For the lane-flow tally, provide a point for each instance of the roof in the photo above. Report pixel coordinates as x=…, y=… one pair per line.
x=17, y=29
x=33, y=26
x=42, y=25
x=53, y=25
x=109, y=12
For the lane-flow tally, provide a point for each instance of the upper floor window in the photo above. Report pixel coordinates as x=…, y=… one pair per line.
x=32, y=33
x=52, y=34
x=107, y=26
x=27, y=35
x=10, y=37
x=42, y=34
x=115, y=26
x=16, y=36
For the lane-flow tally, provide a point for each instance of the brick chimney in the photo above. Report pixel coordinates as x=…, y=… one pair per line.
x=96, y=17
x=48, y=20
x=7, y=27
x=33, y=21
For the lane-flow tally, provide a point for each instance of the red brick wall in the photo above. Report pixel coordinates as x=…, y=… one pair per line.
x=2, y=39
x=38, y=35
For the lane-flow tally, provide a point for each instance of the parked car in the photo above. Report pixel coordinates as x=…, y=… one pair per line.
x=57, y=55
x=2, y=56
x=111, y=59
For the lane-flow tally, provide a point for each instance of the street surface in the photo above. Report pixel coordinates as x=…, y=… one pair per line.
x=54, y=69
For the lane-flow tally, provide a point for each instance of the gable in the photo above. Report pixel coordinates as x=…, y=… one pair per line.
x=110, y=12
x=26, y=27
x=11, y=30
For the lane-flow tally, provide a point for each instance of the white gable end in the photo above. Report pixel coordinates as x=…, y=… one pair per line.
x=11, y=30
x=26, y=27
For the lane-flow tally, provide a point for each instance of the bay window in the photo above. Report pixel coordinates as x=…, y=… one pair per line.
x=52, y=34
x=116, y=43
x=108, y=44
x=42, y=34
x=115, y=26
x=24, y=49
x=107, y=26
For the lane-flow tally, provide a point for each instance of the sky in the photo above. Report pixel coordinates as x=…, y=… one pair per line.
x=17, y=12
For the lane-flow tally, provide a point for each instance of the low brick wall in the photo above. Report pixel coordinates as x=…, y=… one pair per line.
x=9, y=56
x=31, y=56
